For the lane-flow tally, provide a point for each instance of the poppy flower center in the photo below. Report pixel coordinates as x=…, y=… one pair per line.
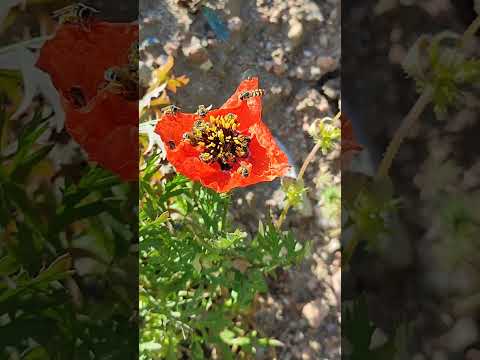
x=219, y=140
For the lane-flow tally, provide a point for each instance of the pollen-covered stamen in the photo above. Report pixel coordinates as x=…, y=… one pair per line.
x=219, y=140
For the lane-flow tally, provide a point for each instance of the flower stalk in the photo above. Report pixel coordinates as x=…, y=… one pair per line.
x=310, y=157
x=413, y=115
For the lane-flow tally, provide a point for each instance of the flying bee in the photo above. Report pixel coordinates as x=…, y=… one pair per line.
x=203, y=110
x=252, y=93
x=120, y=80
x=170, y=110
x=243, y=170
x=75, y=14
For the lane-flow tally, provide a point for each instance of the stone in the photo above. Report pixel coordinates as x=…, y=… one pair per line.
x=327, y=64
x=295, y=32
x=195, y=52
x=463, y=334
x=235, y=24
x=315, y=312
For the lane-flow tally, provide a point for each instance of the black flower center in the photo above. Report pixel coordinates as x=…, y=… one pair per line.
x=219, y=140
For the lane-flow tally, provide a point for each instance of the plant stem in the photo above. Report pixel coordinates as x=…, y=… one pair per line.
x=300, y=175
x=471, y=30
x=307, y=161
x=413, y=115
x=422, y=102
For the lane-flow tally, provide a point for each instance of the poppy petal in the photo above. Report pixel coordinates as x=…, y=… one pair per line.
x=265, y=160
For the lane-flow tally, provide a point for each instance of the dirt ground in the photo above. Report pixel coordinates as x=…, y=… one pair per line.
x=294, y=47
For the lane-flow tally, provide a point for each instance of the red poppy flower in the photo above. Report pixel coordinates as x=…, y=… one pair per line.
x=349, y=145
x=227, y=147
x=100, y=117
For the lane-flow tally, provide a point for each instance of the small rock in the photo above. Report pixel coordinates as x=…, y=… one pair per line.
x=315, y=312
x=206, y=66
x=313, y=12
x=327, y=64
x=307, y=354
x=235, y=24
x=195, y=52
x=331, y=89
x=295, y=32
x=463, y=333
x=315, y=345
x=315, y=73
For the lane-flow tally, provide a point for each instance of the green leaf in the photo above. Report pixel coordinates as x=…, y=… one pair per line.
x=37, y=353
x=29, y=162
x=8, y=265
x=358, y=329
x=61, y=265
x=70, y=215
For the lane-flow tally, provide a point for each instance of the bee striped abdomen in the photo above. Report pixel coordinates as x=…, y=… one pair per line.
x=252, y=93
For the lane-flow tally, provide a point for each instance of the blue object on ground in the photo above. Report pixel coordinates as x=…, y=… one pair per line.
x=149, y=41
x=218, y=26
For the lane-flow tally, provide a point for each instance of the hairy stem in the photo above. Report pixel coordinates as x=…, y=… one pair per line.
x=307, y=161
x=422, y=102
x=471, y=30
x=414, y=114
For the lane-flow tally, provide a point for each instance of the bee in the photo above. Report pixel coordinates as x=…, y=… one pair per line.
x=75, y=14
x=199, y=126
x=243, y=170
x=206, y=157
x=248, y=94
x=203, y=110
x=170, y=110
x=121, y=80
x=188, y=137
